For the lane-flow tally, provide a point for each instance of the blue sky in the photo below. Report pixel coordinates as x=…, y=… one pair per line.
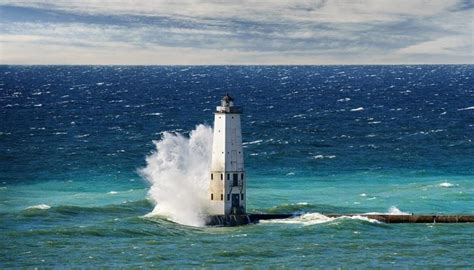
x=206, y=32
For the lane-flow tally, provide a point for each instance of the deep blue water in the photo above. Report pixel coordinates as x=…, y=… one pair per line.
x=317, y=139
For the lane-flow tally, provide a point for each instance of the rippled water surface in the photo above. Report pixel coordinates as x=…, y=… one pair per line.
x=74, y=142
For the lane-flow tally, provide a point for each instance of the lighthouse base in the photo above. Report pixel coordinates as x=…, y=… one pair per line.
x=228, y=220
x=244, y=219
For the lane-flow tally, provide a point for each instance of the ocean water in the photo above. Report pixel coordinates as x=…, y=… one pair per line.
x=106, y=166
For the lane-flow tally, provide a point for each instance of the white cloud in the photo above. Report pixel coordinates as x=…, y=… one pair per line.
x=255, y=10
x=446, y=45
x=244, y=32
x=114, y=54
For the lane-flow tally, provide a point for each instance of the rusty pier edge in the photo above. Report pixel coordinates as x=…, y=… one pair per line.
x=244, y=219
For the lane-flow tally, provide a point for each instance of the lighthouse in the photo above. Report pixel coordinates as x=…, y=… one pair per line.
x=227, y=176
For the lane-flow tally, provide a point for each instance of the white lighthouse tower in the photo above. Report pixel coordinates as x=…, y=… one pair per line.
x=227, y=189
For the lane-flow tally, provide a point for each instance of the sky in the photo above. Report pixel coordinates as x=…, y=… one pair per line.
x=212, y=32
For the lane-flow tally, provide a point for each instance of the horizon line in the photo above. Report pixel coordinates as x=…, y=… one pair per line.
x=187, y=65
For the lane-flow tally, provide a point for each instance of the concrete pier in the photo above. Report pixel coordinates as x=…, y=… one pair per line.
x=237, y=220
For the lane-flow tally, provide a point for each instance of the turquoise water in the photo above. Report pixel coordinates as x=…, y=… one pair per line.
x=318, y=139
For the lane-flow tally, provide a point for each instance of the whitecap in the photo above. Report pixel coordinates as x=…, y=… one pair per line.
x=39, y=206
x=324, y=156
x=357, y=109
x=113, y=192
x=155, y=114
x=239, y=235
x=446, y=185
x=343, y=99
x=467, y=108
x=252, y=142
x=82, y=135
x=299, y=116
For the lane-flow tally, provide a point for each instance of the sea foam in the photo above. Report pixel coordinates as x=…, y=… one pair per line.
x=39, y=207
x=393, y=210
x=178, y=173
x=446, y=185
x=316, y=218
x=467, y=108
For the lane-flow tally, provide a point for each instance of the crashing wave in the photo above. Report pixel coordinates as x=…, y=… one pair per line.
x=178, y=174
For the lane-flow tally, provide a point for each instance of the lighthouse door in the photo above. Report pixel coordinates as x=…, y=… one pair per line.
x=235, y=203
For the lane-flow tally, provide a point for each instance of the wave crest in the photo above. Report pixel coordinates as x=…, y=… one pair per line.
x=39, y=207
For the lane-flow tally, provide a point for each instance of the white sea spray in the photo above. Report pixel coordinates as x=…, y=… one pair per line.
x=178, y=173
x=393, y=210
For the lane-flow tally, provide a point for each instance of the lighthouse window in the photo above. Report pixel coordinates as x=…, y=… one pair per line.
x=212, y=176
x=236, y=180
x=222, y=176
x=222, y=197
x=212, y=196
x=241, y=176
x=242, y=196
